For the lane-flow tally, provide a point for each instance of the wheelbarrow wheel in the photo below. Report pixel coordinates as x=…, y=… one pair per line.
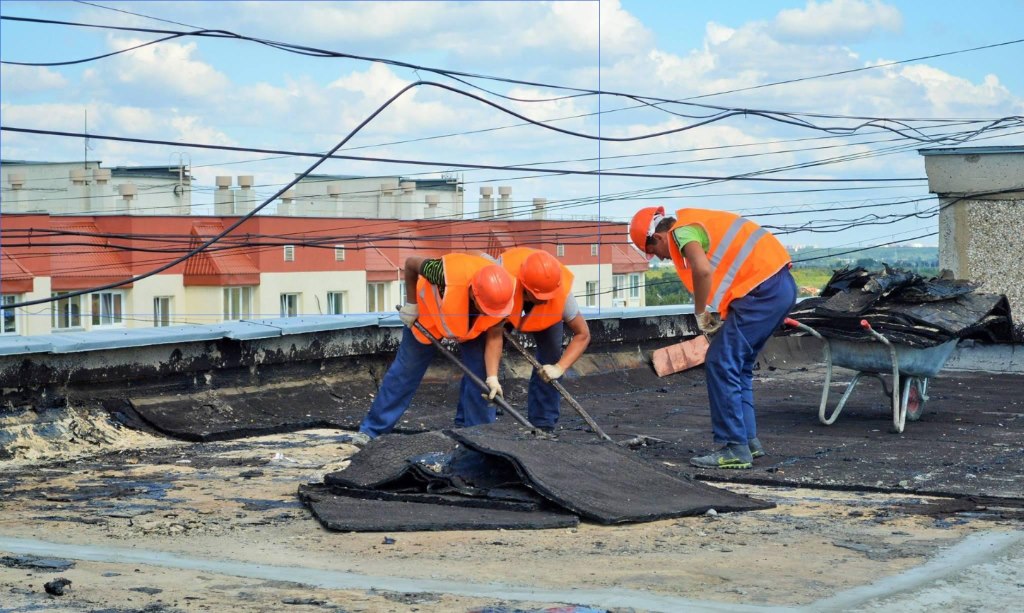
x=914, y=398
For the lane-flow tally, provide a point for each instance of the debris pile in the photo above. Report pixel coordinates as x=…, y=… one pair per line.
x=502, y=476
x=905, y=307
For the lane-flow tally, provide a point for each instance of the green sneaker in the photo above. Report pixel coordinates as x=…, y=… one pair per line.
x=730, y=456
x=756, y=449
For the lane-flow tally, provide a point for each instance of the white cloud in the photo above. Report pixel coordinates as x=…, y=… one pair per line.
x=167, y=70
x=837, y=21
x=30, y=79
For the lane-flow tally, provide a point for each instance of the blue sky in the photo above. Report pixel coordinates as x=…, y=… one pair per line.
x=203, y=90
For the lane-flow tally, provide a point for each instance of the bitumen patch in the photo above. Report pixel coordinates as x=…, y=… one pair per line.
x=347, y=514
x=387, y=459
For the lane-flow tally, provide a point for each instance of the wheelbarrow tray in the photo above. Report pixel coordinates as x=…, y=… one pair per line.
x=876, y=358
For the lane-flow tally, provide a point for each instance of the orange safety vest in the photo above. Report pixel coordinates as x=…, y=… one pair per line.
x=742, y=255
x=545, y=314
x=449, y=316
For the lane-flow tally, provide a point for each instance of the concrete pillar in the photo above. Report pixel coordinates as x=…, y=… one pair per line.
x=223, y=197
x=102, y=198
x=404, y=208
x=486, y=203
x=386, y=202
x=12, y=200
x=78, y=192
x=539, y=205
x=505, y=201
x=128, y=191
x=287, y=204
x=245, y=198
x=430, y=211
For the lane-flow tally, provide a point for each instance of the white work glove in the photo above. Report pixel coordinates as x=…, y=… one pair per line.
x=550, y=372
x=409, y=313
x=708, y=323
x=493, y=388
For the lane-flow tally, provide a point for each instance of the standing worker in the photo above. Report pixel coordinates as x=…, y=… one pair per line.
x=543, y=305
x=733, y=266
x=458, y=296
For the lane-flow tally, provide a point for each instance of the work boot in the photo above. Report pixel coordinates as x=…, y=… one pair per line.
x=756, y=449
x=730, y=456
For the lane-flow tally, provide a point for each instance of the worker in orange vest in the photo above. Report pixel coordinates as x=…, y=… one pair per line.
x=736, y=268
x=543, y=306
x=458, y=296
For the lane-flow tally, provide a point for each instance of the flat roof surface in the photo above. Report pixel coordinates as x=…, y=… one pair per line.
x=994, y=150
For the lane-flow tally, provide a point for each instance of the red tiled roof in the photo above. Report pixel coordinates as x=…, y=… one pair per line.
x=379, y=267
x=216, y=265
x=87, y=263
x=14, y=279
x=498, y=243
x=626, y=258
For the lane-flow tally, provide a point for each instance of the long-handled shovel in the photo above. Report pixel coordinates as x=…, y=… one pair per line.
x=498, y=400
x=558, y=386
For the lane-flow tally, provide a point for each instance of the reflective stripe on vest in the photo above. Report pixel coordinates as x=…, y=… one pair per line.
x=726, y=241
x=738, y=261
x=440, y=312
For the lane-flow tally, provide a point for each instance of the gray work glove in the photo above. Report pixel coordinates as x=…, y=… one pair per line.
x=550, y=372
x=409, y=313
x=493, y=388
x=708, y=323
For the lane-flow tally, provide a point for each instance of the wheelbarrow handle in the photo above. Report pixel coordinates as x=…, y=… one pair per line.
x=558, y=386
x=498, y=400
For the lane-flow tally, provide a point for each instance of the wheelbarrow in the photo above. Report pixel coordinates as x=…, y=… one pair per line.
x=910, y=368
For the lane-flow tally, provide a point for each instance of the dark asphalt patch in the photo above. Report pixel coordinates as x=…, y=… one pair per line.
x=386, y=459
x=600, y=480
x=508, y=504
x=358, y=515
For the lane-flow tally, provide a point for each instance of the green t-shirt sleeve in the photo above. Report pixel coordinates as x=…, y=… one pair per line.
x=688, y=234
x=433, y=271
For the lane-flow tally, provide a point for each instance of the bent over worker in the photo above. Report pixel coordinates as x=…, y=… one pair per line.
x=458, y=296
x=543, y=305
x=733, y=266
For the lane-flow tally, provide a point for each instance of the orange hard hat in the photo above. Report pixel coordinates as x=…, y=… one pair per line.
x=641, y=227
x=493, y=288
x=541, y=274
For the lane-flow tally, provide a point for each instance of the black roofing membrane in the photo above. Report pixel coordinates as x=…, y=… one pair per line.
x=386, y=459
x=599, y=480
x=346, y=514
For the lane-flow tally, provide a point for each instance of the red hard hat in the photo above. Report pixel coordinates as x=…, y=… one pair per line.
x=493, y=288
x=541, y=274
x=642, y=226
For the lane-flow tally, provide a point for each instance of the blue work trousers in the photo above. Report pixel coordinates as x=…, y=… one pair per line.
x=404, y=376
x=730, y=359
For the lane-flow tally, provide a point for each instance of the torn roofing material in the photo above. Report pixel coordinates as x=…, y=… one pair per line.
x=599, y=480
x=348, y=514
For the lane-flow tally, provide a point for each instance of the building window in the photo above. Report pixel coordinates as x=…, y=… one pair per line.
x=162, y=311
x=67, y=312
x=237, y=303
x=336, y=302
x=289, y=305
x=339, y=253
x=560, y=250
x=618, y=285
x=591, y=293
x=634, y=285
x=376, y=294
x=593, y=249
x=8, y=321
x=107, y=308
x=289, y=253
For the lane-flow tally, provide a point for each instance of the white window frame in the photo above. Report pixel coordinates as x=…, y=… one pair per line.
x=560, y=250
x=238, y=302
x=618, y=286
x=337, y=302
x=289, y=253
x=69, y=309
x=634, y=285
x=8, y=314
x=339, y=253
x=291, y=304
x=593, y=249
x=377, y=296
x=162, y=308
x=591, y=297
x=106, y=309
